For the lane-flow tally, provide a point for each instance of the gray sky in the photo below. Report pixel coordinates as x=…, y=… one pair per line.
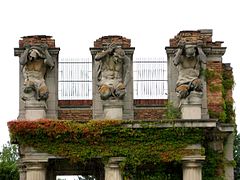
x=75, y=24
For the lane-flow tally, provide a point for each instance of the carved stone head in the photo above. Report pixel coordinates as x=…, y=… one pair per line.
x=190, y=50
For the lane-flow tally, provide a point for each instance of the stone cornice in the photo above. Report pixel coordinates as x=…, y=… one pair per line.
x=198, y=123
x=96, y=50
x=52, y=51
x=216, y=51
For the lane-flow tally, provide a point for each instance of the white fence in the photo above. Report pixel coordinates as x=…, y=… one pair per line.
x=75, y=79
x=149, y=78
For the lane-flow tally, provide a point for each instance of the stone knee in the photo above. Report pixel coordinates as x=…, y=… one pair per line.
x=182, y=91
x=43, y=92
x=28, y=86
x=120, y=91
x=105, y=92
x=197, y=85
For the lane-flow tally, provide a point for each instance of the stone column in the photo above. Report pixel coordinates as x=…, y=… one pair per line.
x=22, y=171
x=192, y=170
x=228, y=154
x=192, y=164
x=35, y=171
x=112, y=108
x=112, y=170
x=35, y=109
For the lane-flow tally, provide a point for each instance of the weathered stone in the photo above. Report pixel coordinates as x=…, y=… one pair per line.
x=112, y=169
x=127, y=94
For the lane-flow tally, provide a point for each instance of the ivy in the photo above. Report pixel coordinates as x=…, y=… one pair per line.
x=227, y=115
x=80, y=142
x=213, y=165
x=172, y=112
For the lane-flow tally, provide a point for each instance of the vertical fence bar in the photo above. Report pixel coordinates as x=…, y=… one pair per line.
x=149, y=75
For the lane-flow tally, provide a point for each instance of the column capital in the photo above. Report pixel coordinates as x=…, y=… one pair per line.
x=35, y=165
x=113, y=162
x=192, y=164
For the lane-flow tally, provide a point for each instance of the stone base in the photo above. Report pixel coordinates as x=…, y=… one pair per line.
x=113, y=109
x=35, y=110
x=191, y=107
x=191, y=111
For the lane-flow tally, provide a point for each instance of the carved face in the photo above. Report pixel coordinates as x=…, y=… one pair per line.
x=34, y=54
x=190, y=51
x=119, y=52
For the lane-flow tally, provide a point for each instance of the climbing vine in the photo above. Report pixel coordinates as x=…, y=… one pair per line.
x=79, y=142
x=227, y=115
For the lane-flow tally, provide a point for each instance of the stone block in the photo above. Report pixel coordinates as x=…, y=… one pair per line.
x=113, y=112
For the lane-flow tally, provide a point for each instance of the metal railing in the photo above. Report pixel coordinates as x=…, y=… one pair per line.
x=149, y=78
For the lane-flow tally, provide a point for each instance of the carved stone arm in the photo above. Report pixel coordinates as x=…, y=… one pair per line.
x=126, y=75
x=100, y=55
x=49, y=60
x=23, y=58
x=202, y=56
x=176, y=59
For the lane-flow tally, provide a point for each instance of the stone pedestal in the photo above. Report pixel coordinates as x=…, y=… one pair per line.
x=35, y=110
x=36, y=171
x=192, y=170
x=113, y=109
x=191, y=107
x=112, y=170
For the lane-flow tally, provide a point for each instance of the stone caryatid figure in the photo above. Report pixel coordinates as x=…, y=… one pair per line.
x=35, y=62
x=112, y=72
x=189, y=59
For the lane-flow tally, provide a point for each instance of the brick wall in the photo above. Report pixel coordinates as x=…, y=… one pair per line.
x=74, y=103
x=105, y=40
x=145, y=109
x=37, y=39
x=149, y=113
x=79, y=114
x=214, y=89
x=204, y=35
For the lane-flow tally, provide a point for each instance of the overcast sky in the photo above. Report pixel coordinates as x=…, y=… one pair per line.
x=75, y=24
